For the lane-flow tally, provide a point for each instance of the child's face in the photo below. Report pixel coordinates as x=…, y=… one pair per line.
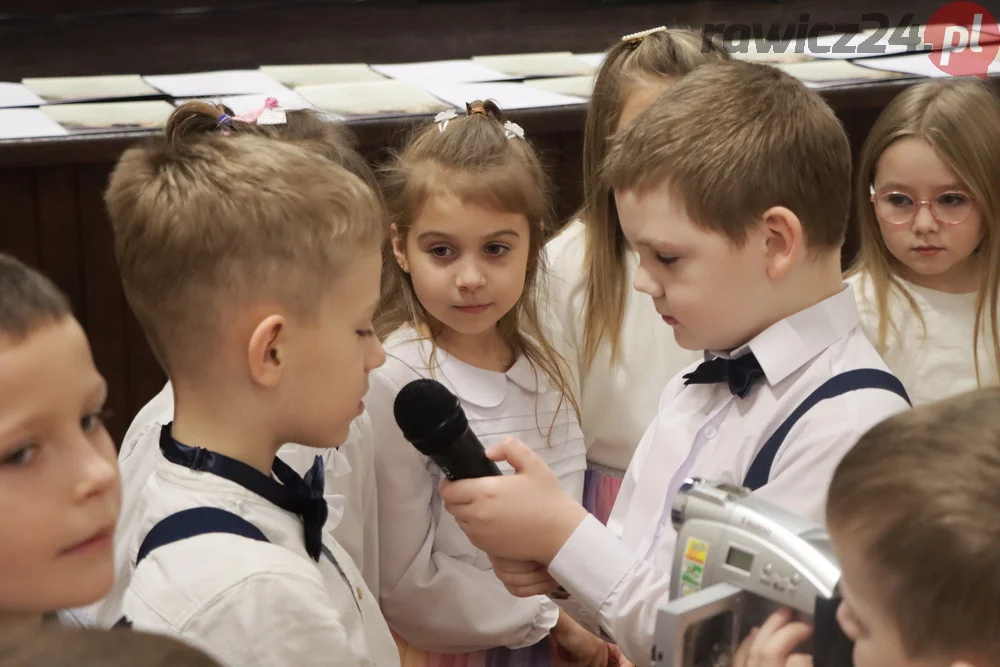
x=704, y=286
x=931, y=254
x=468, y=264
x=328, y=364
x=59, y=487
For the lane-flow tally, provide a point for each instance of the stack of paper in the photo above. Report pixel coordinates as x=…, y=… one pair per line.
x=371, y=99
x=294, y=76
x=507, y=95
x=920, y=64
x=28, y=124
x=592, y=59
x=110, y=116
x=574, y=86
x=532, y=65
x=90, y=88
x=17, y=95
x=832, y=73
x=769, y=52
x=442, y=71
x=216, y=84
x=241, y=104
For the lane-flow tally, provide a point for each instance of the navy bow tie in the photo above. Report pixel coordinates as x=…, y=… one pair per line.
x=740, y=373
x=302, y=496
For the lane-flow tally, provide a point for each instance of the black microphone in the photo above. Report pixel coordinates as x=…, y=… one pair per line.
x=432, y=419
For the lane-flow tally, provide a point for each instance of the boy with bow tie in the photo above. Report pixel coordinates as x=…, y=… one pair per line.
x=253, y=266
x=738, y=216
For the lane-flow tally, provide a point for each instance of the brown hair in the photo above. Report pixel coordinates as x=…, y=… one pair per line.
x=768, y=141
x=28, y=300
x=54, y=646
x=475, y=161
x=212, y=213
x=662, y=55
x=920, y=492
x=960, y=119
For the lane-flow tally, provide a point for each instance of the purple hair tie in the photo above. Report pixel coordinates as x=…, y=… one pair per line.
x=225, y=119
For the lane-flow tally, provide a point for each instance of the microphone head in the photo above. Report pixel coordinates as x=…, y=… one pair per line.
x=429, y=415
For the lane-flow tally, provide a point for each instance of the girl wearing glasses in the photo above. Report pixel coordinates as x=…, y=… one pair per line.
x=928, y=201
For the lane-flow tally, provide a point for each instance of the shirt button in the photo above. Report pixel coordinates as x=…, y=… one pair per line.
x=711, y=432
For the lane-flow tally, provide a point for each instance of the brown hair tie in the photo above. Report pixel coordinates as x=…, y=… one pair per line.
x=478, y=108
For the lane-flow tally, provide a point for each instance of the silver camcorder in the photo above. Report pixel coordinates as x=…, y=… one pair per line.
x=738, y=559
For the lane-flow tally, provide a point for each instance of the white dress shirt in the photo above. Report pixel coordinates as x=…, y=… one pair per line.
x=934, y=361
x=246, y=602
x=622, y=572
x=438, y=590
x=617, y=402
x=350, y=493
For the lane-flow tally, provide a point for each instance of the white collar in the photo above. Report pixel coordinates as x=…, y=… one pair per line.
x=787, y=345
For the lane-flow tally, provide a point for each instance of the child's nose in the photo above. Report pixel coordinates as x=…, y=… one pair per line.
x=98, y=471
x=471, y=276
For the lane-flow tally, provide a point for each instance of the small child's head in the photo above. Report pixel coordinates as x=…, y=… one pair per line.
x=469, y=205
x=912, y=515
x=253, y=266
x=738, y=214
x=635, y=71
x=59, y=487
x=55, y=646
x=926, y=195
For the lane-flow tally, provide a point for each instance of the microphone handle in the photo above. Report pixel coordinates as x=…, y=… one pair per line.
x=465, y=458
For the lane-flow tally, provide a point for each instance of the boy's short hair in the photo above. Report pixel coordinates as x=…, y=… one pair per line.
x=920, y=492
x=733, y=139
x=204, y=220
x=55, y=646
x=28, y=300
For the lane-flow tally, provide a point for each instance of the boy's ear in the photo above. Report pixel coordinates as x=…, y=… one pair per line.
x=784, y=240
x=398, y=247
x=265, y=354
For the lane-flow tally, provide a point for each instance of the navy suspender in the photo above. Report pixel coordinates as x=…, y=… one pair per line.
x=863, y=378
x=193, y=522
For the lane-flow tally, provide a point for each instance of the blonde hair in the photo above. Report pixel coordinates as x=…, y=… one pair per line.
x=210, y=214
x=768, y=141
x=475, y=161
x=920, y=491
x=960, y=119
x=657, y=56
x=28, y=300
x=56, y=646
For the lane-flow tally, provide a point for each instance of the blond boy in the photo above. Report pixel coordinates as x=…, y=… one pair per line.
x=253, y=267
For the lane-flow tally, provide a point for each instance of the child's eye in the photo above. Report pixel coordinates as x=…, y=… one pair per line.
x=95, y=420
x=496, y=249
x=365, y=333
x=952, y=199
x=20, y=456
x=666, y=260
x=898, y=199
x=441, y=251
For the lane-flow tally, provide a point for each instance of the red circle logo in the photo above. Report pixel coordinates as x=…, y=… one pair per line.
x=965, y=37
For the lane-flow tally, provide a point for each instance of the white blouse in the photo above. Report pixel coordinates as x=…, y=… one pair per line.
x=246, y=602
x=437, y=590
x=617, y=403
x=350, y=494
x=934, y=361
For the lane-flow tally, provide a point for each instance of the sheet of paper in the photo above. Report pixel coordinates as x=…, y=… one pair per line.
x=531, y=65
x=110, y=116
x=371, y=99
x=920, y=64
x=294, y=76
x=507, y=95
x=828, y=73
x=592, y=59
x=28, y=124
x=211, y=84
x=17, y=95
x=84, y=88
x=575, y=86
x=240, y=104
x=770, y=52
x=441, y=72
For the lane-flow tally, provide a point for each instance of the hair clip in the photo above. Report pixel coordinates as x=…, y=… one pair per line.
x=511, y=130
x=269, y=114
x=636, y=37
x=443, y=118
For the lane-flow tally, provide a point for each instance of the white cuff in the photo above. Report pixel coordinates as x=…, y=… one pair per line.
x=548, y=614
x=591, y=564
